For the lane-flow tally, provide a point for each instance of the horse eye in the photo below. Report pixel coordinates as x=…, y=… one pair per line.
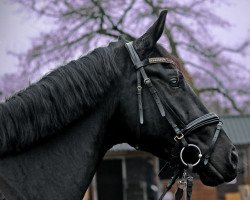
x=174, y=81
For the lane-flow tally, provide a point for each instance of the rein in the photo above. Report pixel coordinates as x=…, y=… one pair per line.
x=184, y=168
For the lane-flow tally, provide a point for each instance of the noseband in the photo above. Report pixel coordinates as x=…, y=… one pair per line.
x=181, y=130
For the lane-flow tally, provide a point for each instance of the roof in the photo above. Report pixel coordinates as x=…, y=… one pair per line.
x=237, y=128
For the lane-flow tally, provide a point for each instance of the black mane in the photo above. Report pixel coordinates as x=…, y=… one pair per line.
x=60, y=97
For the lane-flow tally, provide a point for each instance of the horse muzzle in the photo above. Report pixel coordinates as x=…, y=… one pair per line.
x=215, y=173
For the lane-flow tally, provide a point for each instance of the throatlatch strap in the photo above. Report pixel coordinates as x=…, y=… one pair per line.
x=139, y=97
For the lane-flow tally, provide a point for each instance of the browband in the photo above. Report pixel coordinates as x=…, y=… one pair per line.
x=138, y=63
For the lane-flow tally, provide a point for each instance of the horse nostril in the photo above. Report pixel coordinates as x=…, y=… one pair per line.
x=234, y=158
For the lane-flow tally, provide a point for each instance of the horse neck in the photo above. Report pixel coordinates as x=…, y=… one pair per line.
x=61, y=168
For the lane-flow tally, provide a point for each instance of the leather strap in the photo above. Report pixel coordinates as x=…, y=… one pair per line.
x=170, y=183
x=207, y=119
x=139, y=97
x=213, y=142
x=179, y=193
x=189, y=182
x=152, y=91
x=134, y=56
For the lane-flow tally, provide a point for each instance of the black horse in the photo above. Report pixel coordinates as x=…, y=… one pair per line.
x=54, y=133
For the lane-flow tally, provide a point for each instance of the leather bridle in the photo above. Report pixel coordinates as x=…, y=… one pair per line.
x=181, y=130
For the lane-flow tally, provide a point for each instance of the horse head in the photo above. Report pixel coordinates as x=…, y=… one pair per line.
x=167, y=91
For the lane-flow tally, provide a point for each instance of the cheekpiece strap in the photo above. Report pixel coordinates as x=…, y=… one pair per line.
x=210, y=150
x=153, y=92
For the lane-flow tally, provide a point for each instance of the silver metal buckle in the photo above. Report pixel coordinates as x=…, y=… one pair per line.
x=146, y=80
x=178, y=137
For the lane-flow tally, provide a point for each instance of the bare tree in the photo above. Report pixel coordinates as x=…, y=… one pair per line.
x=81, y=25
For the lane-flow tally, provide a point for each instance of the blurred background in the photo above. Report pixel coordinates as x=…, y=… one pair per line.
x=211, y=37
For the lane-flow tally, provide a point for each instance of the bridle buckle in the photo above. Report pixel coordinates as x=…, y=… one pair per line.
x=179, y=136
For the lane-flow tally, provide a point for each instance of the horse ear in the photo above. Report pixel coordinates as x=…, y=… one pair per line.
x=148, y=40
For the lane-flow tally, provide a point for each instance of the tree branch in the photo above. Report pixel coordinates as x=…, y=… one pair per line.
x=224, y=93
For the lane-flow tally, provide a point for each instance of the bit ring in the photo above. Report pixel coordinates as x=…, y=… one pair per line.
x=198, y=151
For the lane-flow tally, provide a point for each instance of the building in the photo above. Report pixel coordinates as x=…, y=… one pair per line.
x=127, y=174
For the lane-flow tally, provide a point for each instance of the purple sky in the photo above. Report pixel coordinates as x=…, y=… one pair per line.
x=17, y=29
